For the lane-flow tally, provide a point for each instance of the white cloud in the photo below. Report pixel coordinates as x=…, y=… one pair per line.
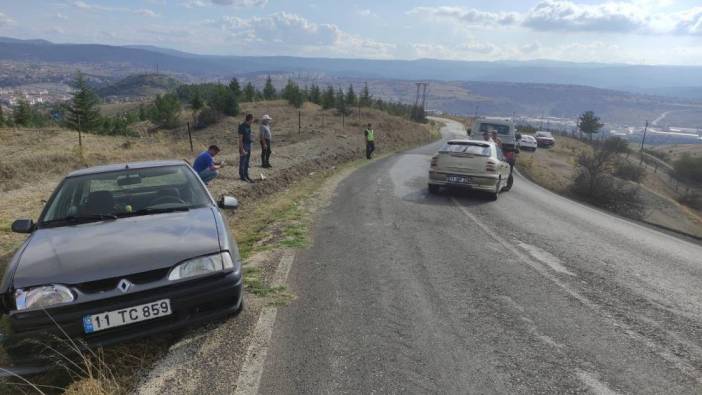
x=292, y=33
x=234, y=3
x=61, y=16
x=146, y=12
x=566, y=15
x=5, y=20
x=689, y=22
x=366, y=13
x=635, y=16
x=82, y=5
x=467, y=16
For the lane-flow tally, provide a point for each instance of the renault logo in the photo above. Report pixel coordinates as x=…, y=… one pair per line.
x=124, y=285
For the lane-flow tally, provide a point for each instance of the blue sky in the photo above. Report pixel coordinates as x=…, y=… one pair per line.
x=629, y=31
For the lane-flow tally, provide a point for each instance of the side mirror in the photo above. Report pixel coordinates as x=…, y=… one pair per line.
x=23, y=226
x=228, y=202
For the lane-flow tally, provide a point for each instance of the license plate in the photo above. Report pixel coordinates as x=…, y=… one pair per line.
x=129, y=315
x=458, y=180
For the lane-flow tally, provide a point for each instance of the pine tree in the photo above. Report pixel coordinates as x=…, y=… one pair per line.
x=142, y=112
x=269, y=92
x=366, y=99
x=328, y=99
x=350, y=98
x=165, y=111
x=249, y=92
x=22, y=114
x=82, y=113
x=289, y=90
x=196, y=105
x=235, y=87
x=315, y=95
x=340, y=102
x=588, y=123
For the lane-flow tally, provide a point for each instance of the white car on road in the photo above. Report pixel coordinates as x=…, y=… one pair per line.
x=528, y=143
x=469, y=164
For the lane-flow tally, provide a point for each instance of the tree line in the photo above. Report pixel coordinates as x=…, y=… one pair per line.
x=208, y=102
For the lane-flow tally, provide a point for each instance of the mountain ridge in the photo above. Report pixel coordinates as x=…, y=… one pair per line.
x=601, y=75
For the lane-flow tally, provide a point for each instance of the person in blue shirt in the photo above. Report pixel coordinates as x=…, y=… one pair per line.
x=205, y=165
x=245, y=148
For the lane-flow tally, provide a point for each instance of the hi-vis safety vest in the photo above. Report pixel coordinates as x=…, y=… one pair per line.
x=370, y=135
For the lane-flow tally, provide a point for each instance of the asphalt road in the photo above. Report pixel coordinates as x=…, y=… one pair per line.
x=407, y=292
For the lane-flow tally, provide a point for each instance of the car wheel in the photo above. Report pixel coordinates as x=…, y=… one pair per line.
x=434, y=189
x=510, y=182
x=496, y=194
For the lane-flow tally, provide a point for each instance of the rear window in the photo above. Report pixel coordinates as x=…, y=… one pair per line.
x=466, y=148
x=544, y=134
x=489, y=127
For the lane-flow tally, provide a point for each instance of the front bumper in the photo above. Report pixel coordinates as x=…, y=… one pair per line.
x=546, y=143
x=478, y=183
x=192, y=302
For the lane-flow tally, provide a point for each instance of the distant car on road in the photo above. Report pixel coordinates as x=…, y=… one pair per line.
x=469, y=164
x=544, y=139
x=505, y=129
x=528, y=143
x=123, y=251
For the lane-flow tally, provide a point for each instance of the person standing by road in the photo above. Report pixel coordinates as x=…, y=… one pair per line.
x=205, y=165
x=265, y=137
x=245, y=148
x=370, y=141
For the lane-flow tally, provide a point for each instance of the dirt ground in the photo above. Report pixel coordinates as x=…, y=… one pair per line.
x=554, y=169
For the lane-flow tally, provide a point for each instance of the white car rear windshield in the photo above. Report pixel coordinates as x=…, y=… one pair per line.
x=466, y=148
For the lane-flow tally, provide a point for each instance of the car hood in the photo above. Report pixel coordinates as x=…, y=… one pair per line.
x=99, y=250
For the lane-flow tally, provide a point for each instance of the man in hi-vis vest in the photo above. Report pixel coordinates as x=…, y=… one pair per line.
x=370, y=141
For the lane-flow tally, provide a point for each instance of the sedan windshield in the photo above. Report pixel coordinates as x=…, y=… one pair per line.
x=128, y=192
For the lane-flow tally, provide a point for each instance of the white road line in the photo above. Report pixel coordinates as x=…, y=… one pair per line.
x=252, y=369
x=594, y=384
x=546, y=257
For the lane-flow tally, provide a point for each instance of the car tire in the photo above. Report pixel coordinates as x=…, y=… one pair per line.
x=495, y=195
x=510, y=182
x=434, y=189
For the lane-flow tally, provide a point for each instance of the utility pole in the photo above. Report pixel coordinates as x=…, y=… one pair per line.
x=643, y=140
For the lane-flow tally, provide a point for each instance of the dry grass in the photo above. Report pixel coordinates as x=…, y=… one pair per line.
x=554, y=169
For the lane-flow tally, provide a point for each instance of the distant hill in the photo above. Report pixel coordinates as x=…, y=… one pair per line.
x=608, y=76
x=140, y=85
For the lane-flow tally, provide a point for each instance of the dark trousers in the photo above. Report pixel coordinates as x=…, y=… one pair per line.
x=244, y=164
x=266, y=154
x=370, y=147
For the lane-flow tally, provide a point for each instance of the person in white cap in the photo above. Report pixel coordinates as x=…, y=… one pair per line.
x=265, y=137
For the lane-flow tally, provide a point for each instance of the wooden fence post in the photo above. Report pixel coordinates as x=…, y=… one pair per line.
x=190, y=137
x=299, y=122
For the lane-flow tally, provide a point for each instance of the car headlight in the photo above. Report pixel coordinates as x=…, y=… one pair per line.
x=203, y=265
x=42, y=297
